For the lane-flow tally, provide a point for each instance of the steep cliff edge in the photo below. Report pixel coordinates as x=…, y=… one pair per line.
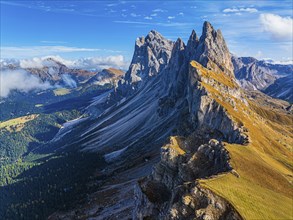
x=172, y=190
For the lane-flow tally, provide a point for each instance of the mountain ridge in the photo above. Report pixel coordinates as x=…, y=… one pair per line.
x=197, y=103
x=174, y=133
x=177, y=101
x=254, y=74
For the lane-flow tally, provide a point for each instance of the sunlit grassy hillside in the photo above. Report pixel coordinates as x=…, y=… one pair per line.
x=264, y=188
x=17, y=124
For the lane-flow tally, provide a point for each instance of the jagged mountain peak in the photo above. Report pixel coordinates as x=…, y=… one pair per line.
x=151, y=55
x=192, y=44
x=178, y=55
x=193, y=33
x=179, y=42
x=139, y=41
x=193, y=38
x=212, y=51
x=207, y=29
x=154, y=34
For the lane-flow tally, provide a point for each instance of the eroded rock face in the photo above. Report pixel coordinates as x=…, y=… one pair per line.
x=272, y=79
x=253, y=74
x=172, y=192
x=212, y=51
x=151, y=55
x=281, y=88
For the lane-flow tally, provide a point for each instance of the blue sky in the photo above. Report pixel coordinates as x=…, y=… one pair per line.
x=76, y=29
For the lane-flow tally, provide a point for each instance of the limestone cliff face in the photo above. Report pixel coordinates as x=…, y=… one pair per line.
x=212, y=51
x=151, y=55
x=171, y=192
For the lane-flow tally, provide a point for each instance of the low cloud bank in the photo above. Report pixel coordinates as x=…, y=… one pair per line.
x=89, y=63
x=20, y=80
x=37, y=63
x=15, y=74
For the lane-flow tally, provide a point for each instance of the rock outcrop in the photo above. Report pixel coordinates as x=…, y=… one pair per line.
x=172, y=192
x=212, y=51
x=151, y=55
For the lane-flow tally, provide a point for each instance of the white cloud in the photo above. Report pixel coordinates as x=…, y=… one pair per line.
x=98, y=62
x=36, y=62
x=148, y=18
x=82, y=63
x=237, y=10
x=181, y=14
x=171, y=17
x=20, y=80
x=112, y=11
x=111, y=5
x=279, y=27
x=134, y=15
x=53, y=42
x=154, y=14
x=285, y=61
x=159, y=10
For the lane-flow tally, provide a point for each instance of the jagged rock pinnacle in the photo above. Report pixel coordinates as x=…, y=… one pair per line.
x=151, y=55
x=192, y=44
x=212, y=51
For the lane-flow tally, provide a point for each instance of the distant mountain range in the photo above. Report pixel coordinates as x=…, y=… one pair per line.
x=273, y=79
x=55, y=72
